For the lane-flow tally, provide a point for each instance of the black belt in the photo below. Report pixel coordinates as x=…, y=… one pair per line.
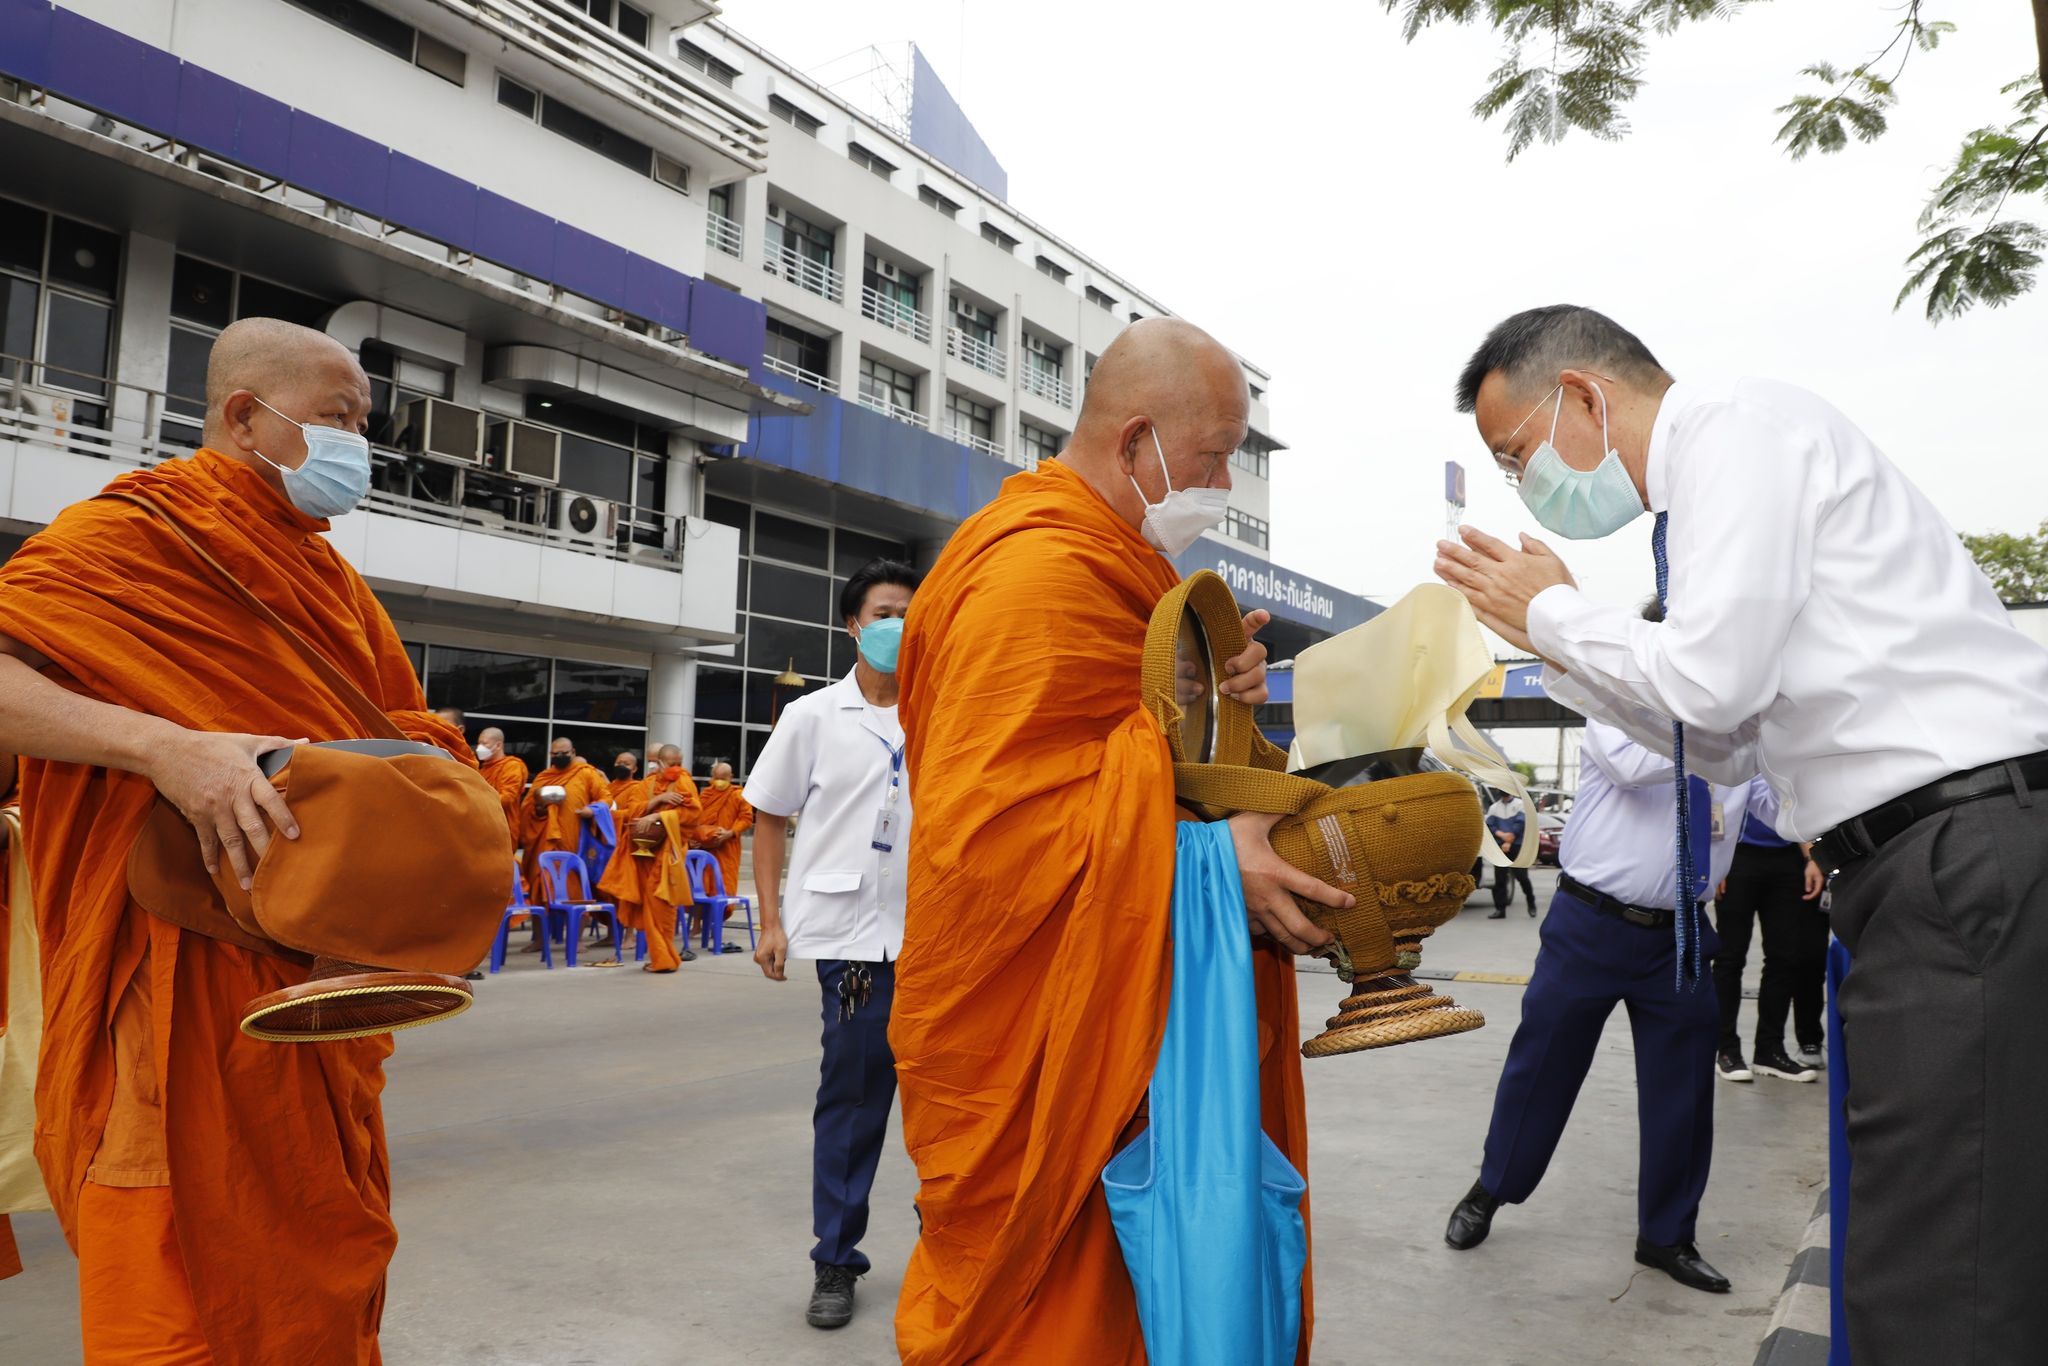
x=1649, y=917
x=1862, y=836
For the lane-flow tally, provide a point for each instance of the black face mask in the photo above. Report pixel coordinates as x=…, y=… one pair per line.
x=623, y=770
x=561, y=760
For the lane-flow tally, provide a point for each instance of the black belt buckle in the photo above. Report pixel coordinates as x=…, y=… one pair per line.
x=1636, y=915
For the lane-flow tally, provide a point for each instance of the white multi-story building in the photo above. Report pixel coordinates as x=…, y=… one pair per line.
x=666, y=338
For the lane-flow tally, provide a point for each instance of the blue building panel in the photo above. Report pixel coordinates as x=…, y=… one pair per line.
x=655, y=292
x=1292, y=597
x=233, y=122
x=432, y=203
x=516, y=237
x=25, y=39
x=588, y=265
x=729, y=326
x=345, y=167
x=105, y=69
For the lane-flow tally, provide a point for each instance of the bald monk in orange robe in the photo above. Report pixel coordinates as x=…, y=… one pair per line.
x=555, y=827
x=648, y=891
x=228, y=1199
x=1032, y=990
x=625, y=774
x=507, y=774
x=727, y=817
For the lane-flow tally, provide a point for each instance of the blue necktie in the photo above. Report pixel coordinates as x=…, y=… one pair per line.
x=1694, y=817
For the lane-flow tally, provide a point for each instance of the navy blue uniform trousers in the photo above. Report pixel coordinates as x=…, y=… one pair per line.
x=1589, y=961
x=856, y=1087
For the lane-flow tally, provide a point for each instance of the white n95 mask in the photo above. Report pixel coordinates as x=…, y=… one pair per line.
x=1176, y=521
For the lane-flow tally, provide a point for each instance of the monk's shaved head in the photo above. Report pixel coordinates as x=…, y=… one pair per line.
x=492, y=736
x=306, y=376
x=669, y=754
x=1167, y=379
x=721, y=771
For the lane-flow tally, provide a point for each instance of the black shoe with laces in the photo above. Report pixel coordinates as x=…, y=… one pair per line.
x=1472, y=1220
x=1728, y=1064
x=831, y=1297
x=1776, y=1062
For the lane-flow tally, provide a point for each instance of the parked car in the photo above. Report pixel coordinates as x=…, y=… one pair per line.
x=1550, y=834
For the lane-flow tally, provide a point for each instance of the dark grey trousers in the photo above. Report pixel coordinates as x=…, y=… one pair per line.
x=1945, y=1018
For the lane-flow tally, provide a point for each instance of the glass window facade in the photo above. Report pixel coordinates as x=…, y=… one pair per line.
x=57, y=283
x=602, y=708
x=791, y=573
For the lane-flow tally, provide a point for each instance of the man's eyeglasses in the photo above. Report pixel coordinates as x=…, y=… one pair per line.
x=1512, y=467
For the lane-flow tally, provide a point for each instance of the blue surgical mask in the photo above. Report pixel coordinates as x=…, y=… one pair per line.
x=1582, y=505
x=334, y=475
x=879, y=640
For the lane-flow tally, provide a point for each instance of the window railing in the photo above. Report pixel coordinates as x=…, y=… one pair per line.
x=875, y=403
x=976, y=352
x=789, y=369
x=894, y=314
x=133, y=434
x=1048, y=386
x=975, y=443
x=595, y=54
x=721, y=233
x=803, y=272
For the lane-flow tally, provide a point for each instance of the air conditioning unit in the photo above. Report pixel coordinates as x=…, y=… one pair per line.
x=775, y=211
x=50, y=413
x=584, y=520
x=434, y=426
x=889, y=270
x=524, y=451
x=1039, y=346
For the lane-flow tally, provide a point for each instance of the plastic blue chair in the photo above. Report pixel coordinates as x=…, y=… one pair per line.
x=519, y=907
x=702, y=869
x=566, y=874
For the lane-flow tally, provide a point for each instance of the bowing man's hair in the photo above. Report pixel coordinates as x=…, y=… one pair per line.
x=1534, y=346
x=854, y=596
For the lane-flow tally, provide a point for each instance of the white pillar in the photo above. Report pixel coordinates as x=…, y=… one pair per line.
x=672, y=703
x=143, y=342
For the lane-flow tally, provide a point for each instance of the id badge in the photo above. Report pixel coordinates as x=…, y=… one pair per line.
x=1719, y=829
x=885, y=830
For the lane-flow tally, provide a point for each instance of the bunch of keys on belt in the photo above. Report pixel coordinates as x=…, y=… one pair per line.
x=856, y=984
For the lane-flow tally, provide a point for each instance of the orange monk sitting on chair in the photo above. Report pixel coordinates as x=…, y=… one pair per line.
x=1032, y=990
x=726, y=818
x=229, y=1199
x=507, y=774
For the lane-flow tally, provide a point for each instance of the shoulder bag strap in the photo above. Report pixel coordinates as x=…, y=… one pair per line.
x=373, y=717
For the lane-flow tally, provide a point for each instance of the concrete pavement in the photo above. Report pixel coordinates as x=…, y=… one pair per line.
x=611, y=1168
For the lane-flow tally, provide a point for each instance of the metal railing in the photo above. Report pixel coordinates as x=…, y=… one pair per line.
x=722, y=234
x=875, y=403
x=777, y=365
x=893, y=313
x=976, y=443
x=1047, y=385
x=134, y=427
x=801, y=271
x=624, y=70
x=976, y=352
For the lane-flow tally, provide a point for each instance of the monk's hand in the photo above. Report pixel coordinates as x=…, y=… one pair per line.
x=646, y=828
x=772, y=953
x=1244, y=677
x=1499, y=580
x=1271, y=884
x=213, y=780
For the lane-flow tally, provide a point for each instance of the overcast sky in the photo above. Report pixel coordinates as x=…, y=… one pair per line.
x=1316, y=192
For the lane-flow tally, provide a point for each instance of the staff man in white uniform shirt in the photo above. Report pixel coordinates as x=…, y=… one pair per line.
x=1825, y=626
x=837, y=756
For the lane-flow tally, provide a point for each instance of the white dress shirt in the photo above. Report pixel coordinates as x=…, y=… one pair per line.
x=1825, y=625
x=832, y=757
x=1622, y=838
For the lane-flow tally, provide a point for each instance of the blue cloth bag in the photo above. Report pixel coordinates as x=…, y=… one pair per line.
x=600, y=837
x=1208, y=1211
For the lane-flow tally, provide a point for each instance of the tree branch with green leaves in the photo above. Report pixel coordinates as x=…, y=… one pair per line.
x=1574, y=65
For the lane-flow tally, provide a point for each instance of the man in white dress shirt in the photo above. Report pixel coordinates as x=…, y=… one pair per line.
x=837, y=756
x=1827, y=627
x=1608, y=941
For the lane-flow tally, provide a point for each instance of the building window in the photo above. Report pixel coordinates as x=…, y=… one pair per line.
x=585, y=131
x=991, y=233
x=977, y=322
x=868, y=161
x=1244, y=527
x=1052, y=269
x=801, y=251
x=966, y=418
x=794, y=117
x=601, y=708
x=631, y=22
x=884, y=383
x=395, y=36
x=1254, y=457
x=932, y=199
x=57, y=283
x=1100, y=300
x=690, y=55
x=799, y=350
x=1039, y=444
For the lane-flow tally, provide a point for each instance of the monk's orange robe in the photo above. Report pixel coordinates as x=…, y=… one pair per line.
x=547, y=829
x=507, y=774
x=1032, y=989
x=275, y=1193
x=647, y=891
x=724, y=808
x=619, y=785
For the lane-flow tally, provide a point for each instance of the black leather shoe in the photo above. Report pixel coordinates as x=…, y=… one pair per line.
x=1683, y=1263
x=1532, y=910
x=1496, y=915
x=1472, y=1220
x=831, y=1298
